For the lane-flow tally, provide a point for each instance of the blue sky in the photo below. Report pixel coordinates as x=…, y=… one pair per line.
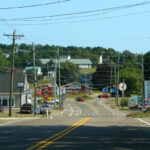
x=124, y=29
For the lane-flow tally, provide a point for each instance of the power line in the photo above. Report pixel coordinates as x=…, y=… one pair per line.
x=36, y=5
x=85, y=20
x=82, y=12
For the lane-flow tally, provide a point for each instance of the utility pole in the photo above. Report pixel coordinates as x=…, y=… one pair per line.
x=55, y=75
x=34, y=72
x=110, y=78
x=60, y=100
x=143, y=88
x=116, y=85
x=123, y=95
x=117, y=89
x=14, y=36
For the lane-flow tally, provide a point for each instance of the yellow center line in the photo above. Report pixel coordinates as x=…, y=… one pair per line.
x=92, y=107
x=57, y=136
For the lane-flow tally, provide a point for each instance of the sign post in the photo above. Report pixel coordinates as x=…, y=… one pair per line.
x=122, y=87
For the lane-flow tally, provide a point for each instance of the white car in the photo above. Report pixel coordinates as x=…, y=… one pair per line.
x=53, y=101
x=44, y=108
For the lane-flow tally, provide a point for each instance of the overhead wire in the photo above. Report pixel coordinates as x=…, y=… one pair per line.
x=81, y=12
x=34, y=5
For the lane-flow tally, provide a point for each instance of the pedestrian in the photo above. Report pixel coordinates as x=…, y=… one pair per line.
x=46, y=113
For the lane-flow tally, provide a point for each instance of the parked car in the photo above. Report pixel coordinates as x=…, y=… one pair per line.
x=53, y=101
x=27, y=108
x=44, y=108
x=105, y=95
x=80, y=99
x=99, y=96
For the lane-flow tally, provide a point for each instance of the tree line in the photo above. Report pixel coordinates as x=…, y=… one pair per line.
x=129, y=63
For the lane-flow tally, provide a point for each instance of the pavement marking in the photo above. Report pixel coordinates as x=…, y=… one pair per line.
x=143, y=121
x=58, y=136
x=7, y=123
x=95, y=110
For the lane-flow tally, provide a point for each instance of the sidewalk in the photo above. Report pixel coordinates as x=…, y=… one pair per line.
x=17, y=115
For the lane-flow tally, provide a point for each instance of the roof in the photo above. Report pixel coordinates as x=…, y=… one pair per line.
x=74, y=61
x=5, y=81
x=44, y=61
x=81, y=61
x=31, y=68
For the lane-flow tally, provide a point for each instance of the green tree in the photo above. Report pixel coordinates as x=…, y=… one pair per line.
x=132, y=77
x=68, y=73
x=101, y=78
x=147, y=66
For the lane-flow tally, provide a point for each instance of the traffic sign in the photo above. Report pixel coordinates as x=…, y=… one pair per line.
x=122, y=86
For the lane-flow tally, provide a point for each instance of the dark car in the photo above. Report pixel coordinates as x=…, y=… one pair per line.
x=99, y=96
x=27, y=108
x=80, y=99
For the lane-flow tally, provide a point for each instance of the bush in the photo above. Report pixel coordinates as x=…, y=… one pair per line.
x=126, y=102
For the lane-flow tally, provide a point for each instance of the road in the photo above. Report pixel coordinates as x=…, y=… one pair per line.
x=90, y=125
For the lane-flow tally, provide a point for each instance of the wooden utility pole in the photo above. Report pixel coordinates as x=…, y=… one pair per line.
x=60, y=100
x=117, y=89
x=34, y=69
x=14, y=36
x=143, y=87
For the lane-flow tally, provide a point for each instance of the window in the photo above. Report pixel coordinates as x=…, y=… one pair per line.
x=4, y=101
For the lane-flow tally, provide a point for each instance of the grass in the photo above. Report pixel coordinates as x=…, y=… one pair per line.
x=139, y=114
x=87, y=97
x=40, y=83
x=87, y=70
x=112, y=103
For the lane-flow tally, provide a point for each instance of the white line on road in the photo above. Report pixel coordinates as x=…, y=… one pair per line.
x=3, y=124
x=71, y=111
x=143, y=121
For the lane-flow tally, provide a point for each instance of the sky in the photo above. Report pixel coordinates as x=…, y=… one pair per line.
x=78, y=23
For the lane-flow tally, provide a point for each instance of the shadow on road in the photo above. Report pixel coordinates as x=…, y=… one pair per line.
x=84, y=137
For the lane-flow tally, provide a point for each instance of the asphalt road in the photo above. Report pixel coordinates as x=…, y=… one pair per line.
x=90, y=125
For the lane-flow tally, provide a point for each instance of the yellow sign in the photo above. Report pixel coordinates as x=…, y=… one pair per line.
x=49, y=99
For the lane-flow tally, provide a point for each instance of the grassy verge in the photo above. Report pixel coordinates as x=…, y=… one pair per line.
x=139, y=114
x=87, y=97
x=87, y=70
x=112, y=103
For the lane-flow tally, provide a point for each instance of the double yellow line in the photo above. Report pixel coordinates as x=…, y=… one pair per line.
x=43, y=144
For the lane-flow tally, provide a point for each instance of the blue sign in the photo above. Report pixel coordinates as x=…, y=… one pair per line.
x=113, y=90
x=105, y=89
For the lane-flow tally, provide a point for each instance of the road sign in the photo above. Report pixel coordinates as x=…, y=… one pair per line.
x=46, y=92
x=122, y=86
x=20, y=85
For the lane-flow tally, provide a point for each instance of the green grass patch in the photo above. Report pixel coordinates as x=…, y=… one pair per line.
x=139, y=114
x=87, y=97
x=87, y=70
x=41, y=83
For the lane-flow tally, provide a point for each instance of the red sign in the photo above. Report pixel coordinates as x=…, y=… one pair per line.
x=46, y=92
x=38, y=92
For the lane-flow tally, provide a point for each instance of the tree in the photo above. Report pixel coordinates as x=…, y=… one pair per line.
x=68, y=73
x=101, y=78
x=147, y=66
x=132, y=77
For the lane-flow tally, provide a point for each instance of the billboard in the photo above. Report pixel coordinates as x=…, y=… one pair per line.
x=147, y=92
